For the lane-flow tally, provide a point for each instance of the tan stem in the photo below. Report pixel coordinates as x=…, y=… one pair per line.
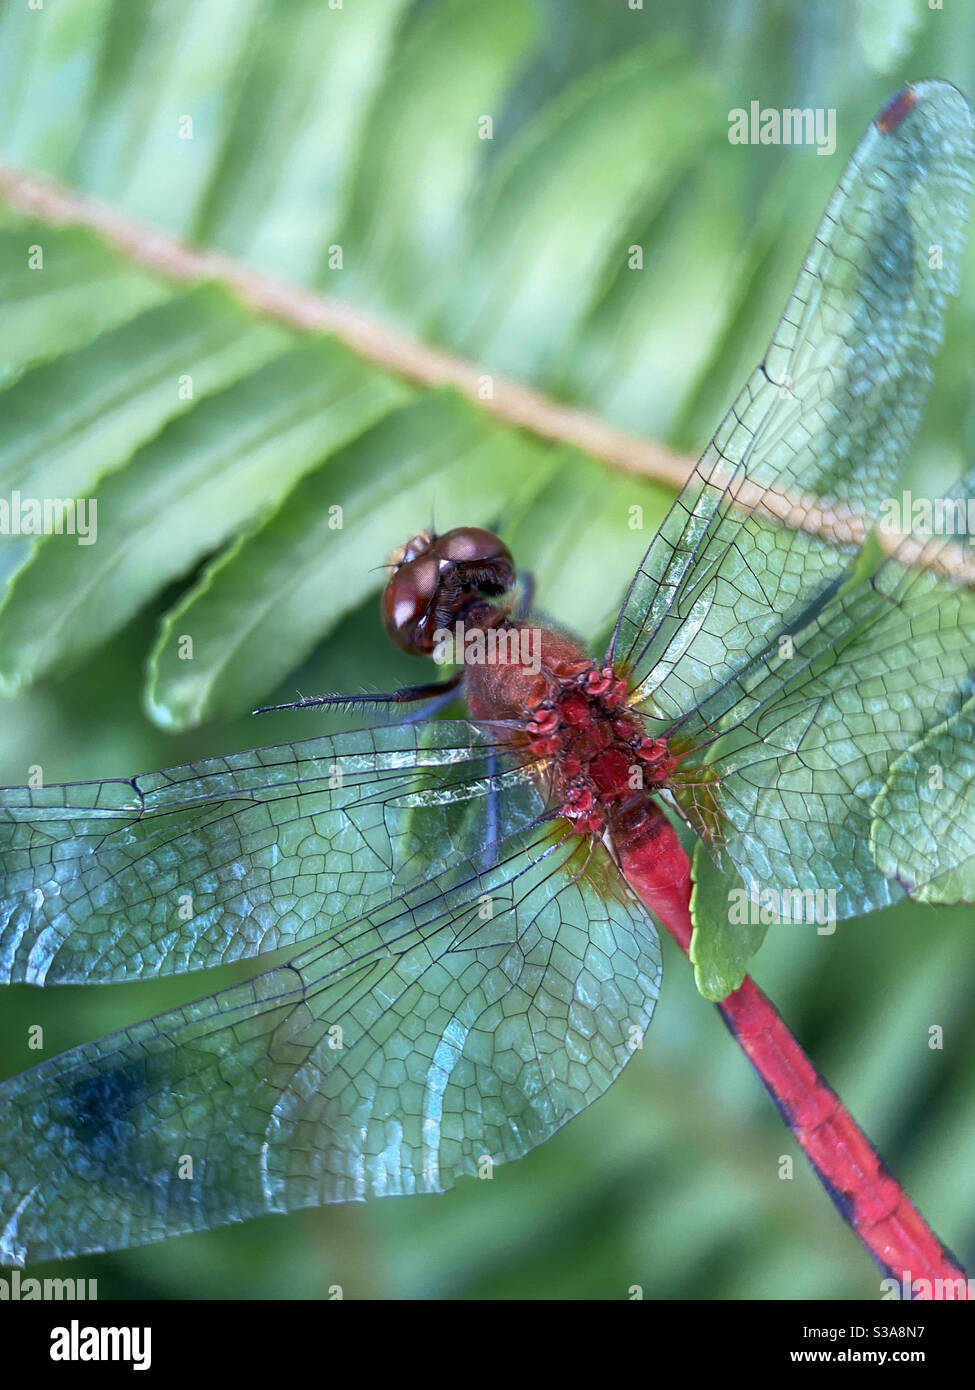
x=388, y=347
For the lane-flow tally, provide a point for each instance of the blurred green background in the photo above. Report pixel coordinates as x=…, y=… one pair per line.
x=360, y=128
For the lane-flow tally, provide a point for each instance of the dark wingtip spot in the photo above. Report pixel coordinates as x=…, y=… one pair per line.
x=896, y=109
x=98, y=1115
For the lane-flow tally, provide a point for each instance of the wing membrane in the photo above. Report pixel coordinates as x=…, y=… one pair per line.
x=230, y=857
x=817, y=436
x=807, y=751
x=408, y=1049
x=923, y=830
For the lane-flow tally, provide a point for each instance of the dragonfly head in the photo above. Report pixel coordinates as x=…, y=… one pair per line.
x=437, y=581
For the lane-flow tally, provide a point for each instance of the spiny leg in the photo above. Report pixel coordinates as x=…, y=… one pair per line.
x=526, y=594
x=410, y=694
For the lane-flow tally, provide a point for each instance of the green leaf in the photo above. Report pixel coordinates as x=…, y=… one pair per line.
x=923, y=829
x=279, y=200
x=260, y=608
x=886, y=30
x=561, y=201
x=80, y=290
x=633, y=360
x=720, y=947
x=71, y=421
x=207, y=474
x=49, y=69
x=184, y=105
x=451, y=72
x=581, y=537
x=775, y=242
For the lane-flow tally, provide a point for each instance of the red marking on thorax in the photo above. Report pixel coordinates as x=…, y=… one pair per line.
x=573, y=714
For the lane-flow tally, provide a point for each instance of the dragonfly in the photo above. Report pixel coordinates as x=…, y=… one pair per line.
x=460, y=914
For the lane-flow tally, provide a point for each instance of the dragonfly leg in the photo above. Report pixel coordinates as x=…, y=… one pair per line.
x=489, y=854
x=410, y=694
x=438, y=702
x=526, y=594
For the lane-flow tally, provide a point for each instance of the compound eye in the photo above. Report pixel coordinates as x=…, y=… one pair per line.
x=406, y=602
x=467, y=545
x=415, y=547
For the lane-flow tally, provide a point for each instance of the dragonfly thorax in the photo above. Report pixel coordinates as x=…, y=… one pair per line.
x=566, y=713
x=570, y=716
x=602, y=761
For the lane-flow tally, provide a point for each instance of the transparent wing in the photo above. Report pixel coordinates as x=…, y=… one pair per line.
x=228, y=858
x=783, y=497
x=923, y=830
x=807, y=751
x=409, y=1048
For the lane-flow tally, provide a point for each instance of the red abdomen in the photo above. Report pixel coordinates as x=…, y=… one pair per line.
x=868, y=1197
